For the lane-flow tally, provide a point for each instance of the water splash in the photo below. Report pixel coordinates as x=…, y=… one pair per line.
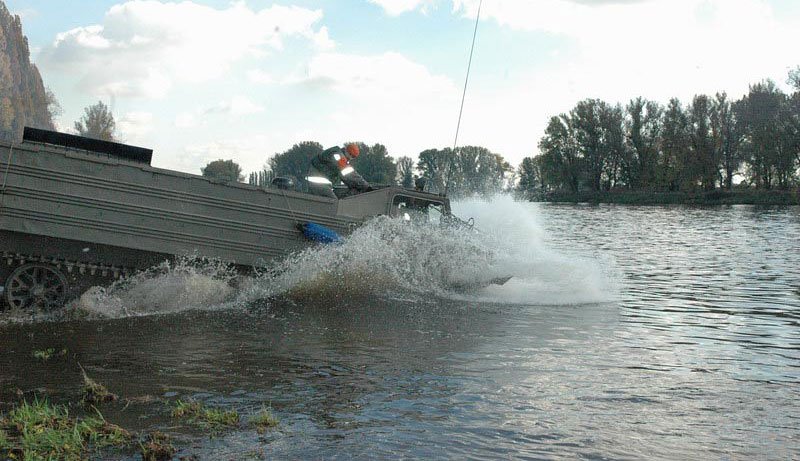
x=384, y=256
x=541, y=275
x=188, y=283
x=393, y=257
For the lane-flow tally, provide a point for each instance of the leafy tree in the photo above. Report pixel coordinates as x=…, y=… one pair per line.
x=675, y=146
x=727, y=135
x=585, y=118
x=793, y=125
x=612, y=145
x=294, y=162
x=529, y=177
x=702, y=166
x=597, y=128
x=97, y=122
x=561, y=161
x=470, y=170
x=405, y=171
x=436, y=167
x=261, y=178
x=643, y=132
x=223, y=170
x=375, y=165
x=762, y=110
x=794, y=78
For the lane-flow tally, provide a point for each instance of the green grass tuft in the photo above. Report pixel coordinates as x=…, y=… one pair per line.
x=264, y=420
x=211, y=418
x=94, y=392
x=40, y=430
x=44, y=355
x=157, y=447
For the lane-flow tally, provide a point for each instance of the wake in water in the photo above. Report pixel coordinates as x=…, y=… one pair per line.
x=386, y=258
x=188, y=283
x=394, y=257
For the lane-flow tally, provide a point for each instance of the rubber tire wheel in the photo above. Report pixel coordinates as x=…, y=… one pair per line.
x=38, y=286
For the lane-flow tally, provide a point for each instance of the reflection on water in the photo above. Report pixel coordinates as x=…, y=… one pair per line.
x=699, y=358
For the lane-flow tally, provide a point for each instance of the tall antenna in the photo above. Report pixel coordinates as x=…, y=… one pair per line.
x=464, y=94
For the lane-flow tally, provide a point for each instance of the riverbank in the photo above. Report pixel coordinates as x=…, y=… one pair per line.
x=717, y=197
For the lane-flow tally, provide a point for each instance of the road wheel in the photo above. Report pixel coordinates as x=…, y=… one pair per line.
x=36, y=286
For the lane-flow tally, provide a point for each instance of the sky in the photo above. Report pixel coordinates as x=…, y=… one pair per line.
x=201, y=80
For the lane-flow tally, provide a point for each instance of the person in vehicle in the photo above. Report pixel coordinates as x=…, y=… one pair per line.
x=333, y=165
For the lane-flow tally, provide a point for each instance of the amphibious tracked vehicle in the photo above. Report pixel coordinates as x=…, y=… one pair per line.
x=77, y=212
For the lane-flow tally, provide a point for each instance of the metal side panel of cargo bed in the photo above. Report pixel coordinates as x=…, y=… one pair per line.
x=54, y=192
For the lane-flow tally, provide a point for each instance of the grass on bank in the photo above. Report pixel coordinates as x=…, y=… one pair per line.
x=264, y=420
x=45, y=354
x=157, y=447
x=210, y=418
x=40, y=430
x=94, y=392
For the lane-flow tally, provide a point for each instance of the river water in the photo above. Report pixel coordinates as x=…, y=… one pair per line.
x=626, y=333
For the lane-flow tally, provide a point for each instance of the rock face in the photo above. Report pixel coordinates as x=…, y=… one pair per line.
x=23, y=98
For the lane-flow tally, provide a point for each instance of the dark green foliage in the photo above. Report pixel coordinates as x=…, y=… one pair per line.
x=562, y=166
x=597, y=147
x=727, y=131
x=405, y=171
x=261, y=178
x=794, y=78
x=375, y=165
x=294, y=162
x=470, y=170
x=703, y=163
x=435, y=166
x=643, y=127
x=530, y=177
x=771, y=133
x=24, y=101
x=223, y=170
x=97, y=122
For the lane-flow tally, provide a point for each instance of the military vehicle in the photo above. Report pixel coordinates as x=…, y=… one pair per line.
x=77, y=212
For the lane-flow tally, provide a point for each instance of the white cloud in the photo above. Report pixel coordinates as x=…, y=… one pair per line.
x=185, y=120
x=656, y=47
x=260, y=77
x=397, y=7
x=133, y=126
x=236, y=106
x=144, y=47
x=385, y=98
x=386, y=77
x=249, y=152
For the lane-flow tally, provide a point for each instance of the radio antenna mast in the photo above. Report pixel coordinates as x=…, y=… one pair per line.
x=464, y=94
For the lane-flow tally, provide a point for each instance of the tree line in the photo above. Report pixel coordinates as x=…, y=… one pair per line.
x=708, y=144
